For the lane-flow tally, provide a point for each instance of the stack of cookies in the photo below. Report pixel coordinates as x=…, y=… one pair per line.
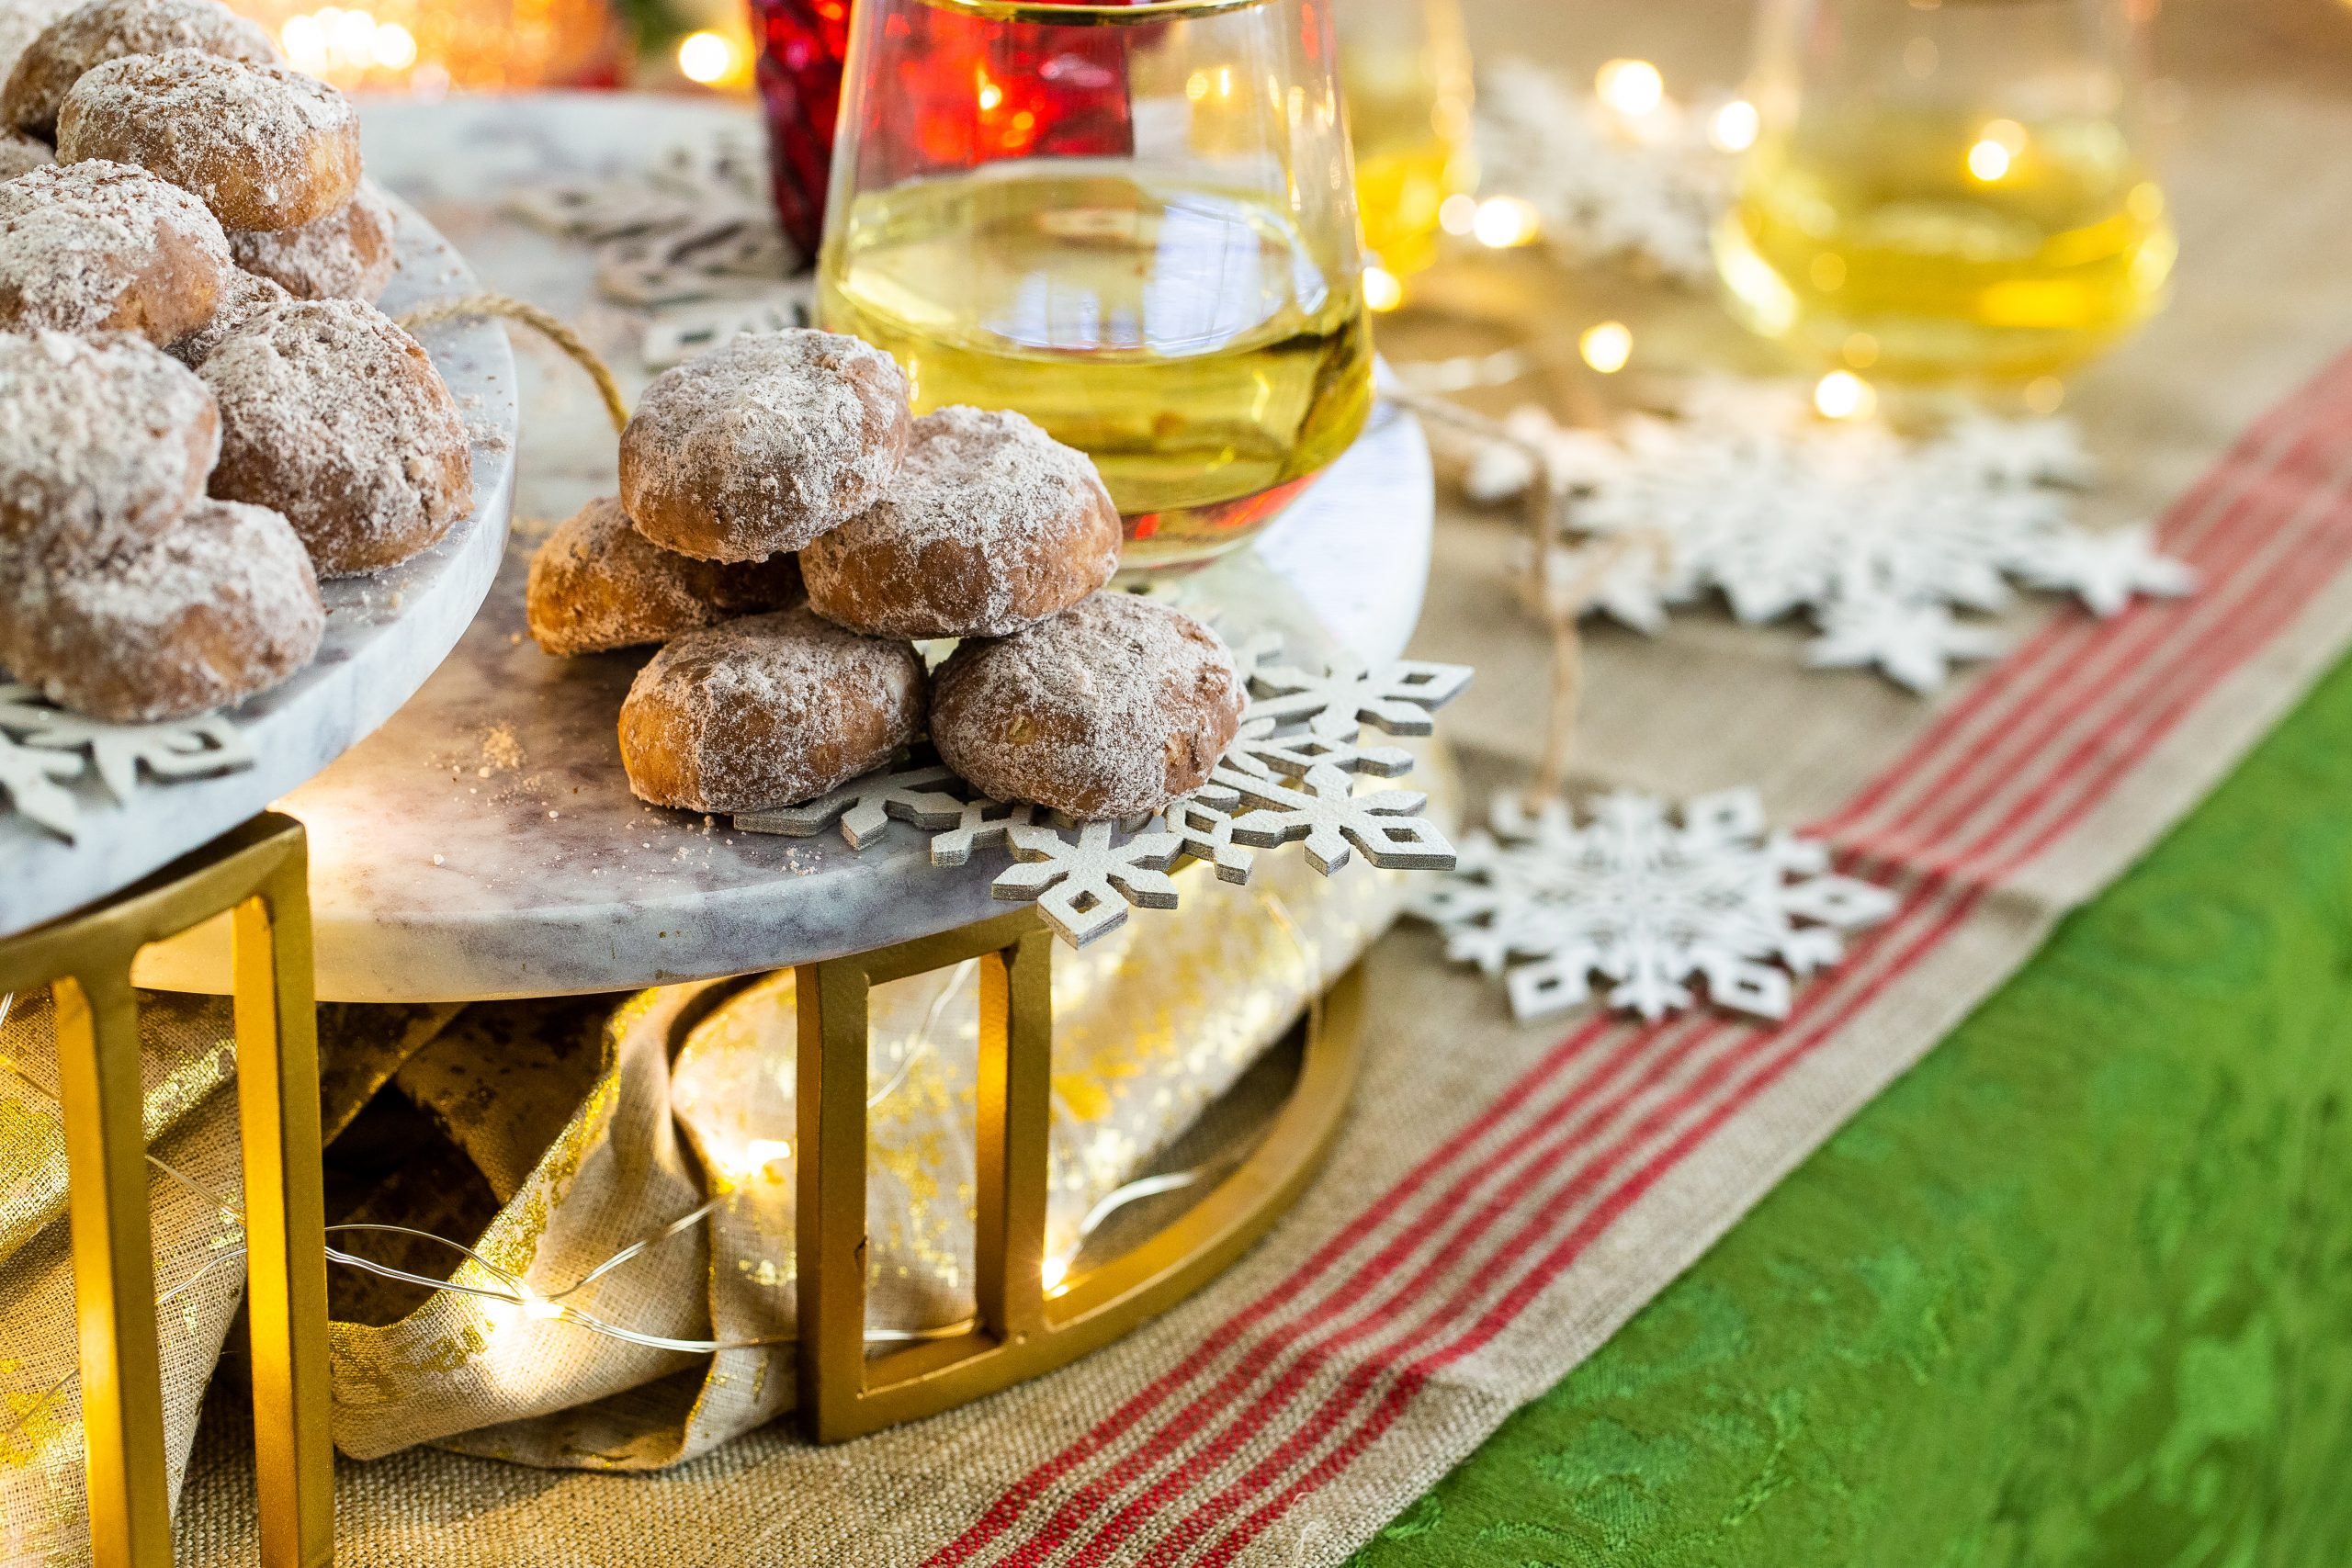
x=188, y=261
x=791, y=463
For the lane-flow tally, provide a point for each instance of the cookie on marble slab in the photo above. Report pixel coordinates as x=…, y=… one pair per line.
x=1109, y=710
x=597, y=584
x=220, y=605
x=767, y=711
x=262, y=146
x=992, y=526
x=97, y=246
x=763, y=444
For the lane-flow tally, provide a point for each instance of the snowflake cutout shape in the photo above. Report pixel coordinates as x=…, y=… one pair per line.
x=864, y=807
x=44, y=748
x=1083, y=885
x=1605, y=185
x=1877, y=539
x=693, y=241
x=1650, y=905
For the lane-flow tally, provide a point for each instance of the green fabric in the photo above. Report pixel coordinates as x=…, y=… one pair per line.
x=2077, y=1290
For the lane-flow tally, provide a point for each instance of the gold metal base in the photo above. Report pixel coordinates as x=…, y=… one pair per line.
x=1022, y=1330
x=258, y=874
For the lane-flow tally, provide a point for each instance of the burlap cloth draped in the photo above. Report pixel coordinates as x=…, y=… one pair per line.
x=1506, y=1195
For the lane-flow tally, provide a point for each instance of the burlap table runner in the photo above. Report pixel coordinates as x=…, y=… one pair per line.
x=1506, y=1195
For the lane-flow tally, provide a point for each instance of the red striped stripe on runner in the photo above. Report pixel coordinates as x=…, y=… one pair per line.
x=1519, y=1099
x=2296, y=576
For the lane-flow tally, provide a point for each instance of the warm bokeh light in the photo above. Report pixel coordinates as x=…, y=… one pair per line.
x=1630, y=86
x=432, y=46
x=1841, y=394
x=1606, y=347
x=2044, y=393
x=1503, y=222
x=1734, y=126
x=705, y=57
x=1988, y=160
x=1458, y=213
x=1381, y=290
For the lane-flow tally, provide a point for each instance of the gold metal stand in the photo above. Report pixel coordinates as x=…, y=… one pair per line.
x=1022, y=1330
x=258, y=873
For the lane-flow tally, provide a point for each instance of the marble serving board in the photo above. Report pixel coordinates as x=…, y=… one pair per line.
x=384, y=635
x=484, y=843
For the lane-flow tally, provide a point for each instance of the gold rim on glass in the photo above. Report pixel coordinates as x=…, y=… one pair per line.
x=1086, y=14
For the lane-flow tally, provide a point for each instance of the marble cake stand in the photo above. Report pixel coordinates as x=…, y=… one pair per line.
x=483, y=843
x=384, y=635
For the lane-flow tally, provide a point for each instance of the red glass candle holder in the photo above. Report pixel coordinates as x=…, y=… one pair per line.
x=1063, y=98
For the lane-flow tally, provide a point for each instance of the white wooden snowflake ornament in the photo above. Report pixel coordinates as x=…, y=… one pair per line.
x=1879, y=540
x=1651, y=905
x=1289, y=777
x=693, y=242
x=43, y=749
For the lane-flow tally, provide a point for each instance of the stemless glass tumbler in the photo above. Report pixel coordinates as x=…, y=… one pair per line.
x=1406, y=68
x=1135, y=224
x=1948, y=187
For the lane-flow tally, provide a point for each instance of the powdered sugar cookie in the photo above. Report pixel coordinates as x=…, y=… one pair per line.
x=333, y=415
x=598, y=584
x=262, y=146
x=763, y=444
x=1112, y=708
x=769, y=710
x=103, y=442
x=106, y=29
x=348, y=254
x=992, y=526
x=220, y=605
x=103, y=247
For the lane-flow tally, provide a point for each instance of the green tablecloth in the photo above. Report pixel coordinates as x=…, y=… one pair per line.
x=2077, y=1290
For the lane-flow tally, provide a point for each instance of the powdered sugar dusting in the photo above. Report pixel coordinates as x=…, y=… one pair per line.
x=22, y=21
x=265, y=147
x=348, y=254
x=769, y=710
x=598, y=584
x=333, y=415
x=1110, y=709
x=243, y=299
x=21, y=154
x=103, y=442
x=220, y=605
x=108, y=30
x=990, y=526
x=95, y=246
x=764, y=444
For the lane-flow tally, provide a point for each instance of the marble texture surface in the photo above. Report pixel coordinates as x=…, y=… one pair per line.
x=484, y=843
x=384, y=635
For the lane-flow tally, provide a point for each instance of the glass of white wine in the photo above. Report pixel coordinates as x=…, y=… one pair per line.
x=1134, y=223
x=1405, y=65
x=1948, y=188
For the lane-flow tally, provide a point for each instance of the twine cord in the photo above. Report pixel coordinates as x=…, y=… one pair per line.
x=1562, y=591
x=502, y=307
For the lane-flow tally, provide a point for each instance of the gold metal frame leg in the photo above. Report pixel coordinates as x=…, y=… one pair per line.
x=1022, y=1330
x=258, y=871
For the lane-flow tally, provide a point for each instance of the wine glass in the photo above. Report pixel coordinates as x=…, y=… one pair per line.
x=1135, y=224
x=1404, y=68
x=1948, y=188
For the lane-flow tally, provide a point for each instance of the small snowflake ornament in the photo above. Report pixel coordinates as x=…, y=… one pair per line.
x=1877, y=539
x=1605, y=185
x=1648, y=904
x=922, y=796
x=44, y=748
x=1083, y=886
